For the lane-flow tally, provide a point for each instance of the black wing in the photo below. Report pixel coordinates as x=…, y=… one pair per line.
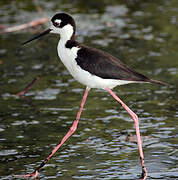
x=106, y=66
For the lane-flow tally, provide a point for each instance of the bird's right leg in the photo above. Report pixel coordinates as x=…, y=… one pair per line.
x=70, y=132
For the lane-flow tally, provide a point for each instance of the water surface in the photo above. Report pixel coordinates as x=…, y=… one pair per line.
x=142, y=34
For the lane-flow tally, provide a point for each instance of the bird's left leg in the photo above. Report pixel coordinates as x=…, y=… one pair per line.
x=135, y=118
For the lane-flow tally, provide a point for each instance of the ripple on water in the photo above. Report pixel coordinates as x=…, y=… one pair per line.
x=1, y=129
x=8, y=152
x=17, y=123
x=47, y=94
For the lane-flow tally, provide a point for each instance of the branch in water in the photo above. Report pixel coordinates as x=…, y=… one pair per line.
x=24, y=26
x=28, y=87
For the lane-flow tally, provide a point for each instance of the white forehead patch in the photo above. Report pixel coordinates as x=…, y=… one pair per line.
x=58, y=21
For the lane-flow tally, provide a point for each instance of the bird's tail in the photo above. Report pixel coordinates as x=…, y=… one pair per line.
x=157, y=82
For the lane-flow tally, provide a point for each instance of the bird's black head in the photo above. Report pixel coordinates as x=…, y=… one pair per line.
x=62, y=24
x=59, y=20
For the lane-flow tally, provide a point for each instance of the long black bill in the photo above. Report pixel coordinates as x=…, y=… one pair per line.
x=38, y=36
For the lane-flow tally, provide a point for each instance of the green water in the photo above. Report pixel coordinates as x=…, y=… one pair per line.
x=145, y=36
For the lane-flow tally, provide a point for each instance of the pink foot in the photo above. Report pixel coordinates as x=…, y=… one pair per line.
x=32, y=175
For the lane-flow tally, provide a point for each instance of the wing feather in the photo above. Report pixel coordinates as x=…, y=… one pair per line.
x=106, y=66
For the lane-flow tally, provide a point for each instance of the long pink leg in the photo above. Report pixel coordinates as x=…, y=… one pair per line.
x=139, y=142
x=70, y=132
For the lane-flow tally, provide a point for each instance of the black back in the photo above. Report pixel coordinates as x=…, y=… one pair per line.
x=106, y=66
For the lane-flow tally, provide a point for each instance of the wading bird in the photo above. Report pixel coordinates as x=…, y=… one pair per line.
x=94, y=69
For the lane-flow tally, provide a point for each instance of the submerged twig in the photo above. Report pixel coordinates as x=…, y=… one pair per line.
x=29, y=86
x=31, y=24
x=26, y=25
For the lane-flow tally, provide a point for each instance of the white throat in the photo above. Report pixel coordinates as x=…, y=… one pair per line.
x=66, y=33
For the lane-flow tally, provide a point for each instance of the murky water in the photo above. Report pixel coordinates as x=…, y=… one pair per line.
x=144, y=35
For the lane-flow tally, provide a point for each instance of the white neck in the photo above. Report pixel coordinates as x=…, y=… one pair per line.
x=66, y=33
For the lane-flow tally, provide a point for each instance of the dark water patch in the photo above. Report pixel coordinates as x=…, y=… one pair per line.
x=143, y=35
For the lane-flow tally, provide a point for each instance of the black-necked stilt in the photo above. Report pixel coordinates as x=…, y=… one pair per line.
x=93, y=68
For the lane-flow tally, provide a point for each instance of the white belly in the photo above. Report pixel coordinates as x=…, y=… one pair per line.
x=68, y=56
